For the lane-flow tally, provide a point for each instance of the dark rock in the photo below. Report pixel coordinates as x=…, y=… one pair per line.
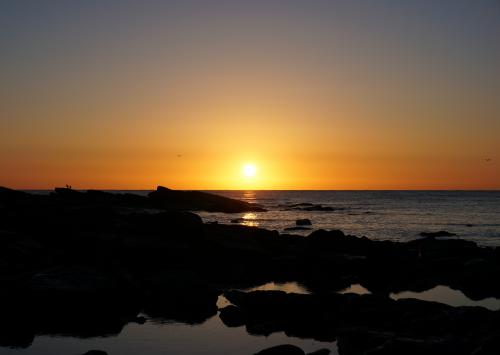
x=303, y=222
x=232, y=316
x=367, y=323
x=139, y=320
x=199, y=201
x=8, y=195
x=489, y=345
x=285, y=349
x=181, y=296
x=67, y=192
x=85, y=263
x=298, y=228
x=437, y=234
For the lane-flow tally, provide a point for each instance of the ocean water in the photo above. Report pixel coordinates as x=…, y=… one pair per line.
x=388, y=215
x=382, y=215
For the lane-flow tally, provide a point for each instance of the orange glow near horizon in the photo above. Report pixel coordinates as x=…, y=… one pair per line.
x=316, y=95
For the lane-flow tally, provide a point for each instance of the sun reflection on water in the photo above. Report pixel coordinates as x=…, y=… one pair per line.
x=250, y=220
x=249, y=196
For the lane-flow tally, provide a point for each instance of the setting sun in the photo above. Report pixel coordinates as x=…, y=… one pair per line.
x=249, y=170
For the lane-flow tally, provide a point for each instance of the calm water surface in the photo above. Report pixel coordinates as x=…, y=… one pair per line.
x=392, y=215
x=212, y=336
x=154, y=338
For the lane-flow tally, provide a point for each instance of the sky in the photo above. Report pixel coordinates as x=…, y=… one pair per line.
x=348, y=94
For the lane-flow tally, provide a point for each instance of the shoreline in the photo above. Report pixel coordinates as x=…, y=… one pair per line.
x=87, y=264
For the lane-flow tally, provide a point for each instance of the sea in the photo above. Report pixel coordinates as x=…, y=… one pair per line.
x=380, y=215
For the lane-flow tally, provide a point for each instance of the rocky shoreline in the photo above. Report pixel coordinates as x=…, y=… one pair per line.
x=87, y=263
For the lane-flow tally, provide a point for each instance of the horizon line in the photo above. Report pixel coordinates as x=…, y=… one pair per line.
x=319, y=190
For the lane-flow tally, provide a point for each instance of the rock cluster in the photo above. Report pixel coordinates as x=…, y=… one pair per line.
x=85, y=264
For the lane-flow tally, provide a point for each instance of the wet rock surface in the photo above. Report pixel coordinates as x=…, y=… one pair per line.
x=86, y=264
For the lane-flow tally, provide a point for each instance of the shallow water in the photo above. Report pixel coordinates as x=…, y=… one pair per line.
x=447, y=295
x=288, y=287
x=212, y=336
x=152, y=338
x=441, y=294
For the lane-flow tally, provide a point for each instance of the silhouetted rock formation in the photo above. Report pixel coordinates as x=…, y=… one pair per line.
x=180, y=296
x=437, y=234
x=162, y=198
x=368, y=324
x=297, y=228
x=198, y=201
x=85, y=263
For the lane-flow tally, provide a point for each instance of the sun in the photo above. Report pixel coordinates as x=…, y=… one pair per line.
x=249, y=170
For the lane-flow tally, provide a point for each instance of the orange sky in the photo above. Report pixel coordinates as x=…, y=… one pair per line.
x=130, y=100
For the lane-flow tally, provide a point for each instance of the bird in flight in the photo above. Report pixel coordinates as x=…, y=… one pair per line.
x=487, y=160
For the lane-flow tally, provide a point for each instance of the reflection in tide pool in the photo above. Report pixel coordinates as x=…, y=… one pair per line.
x=441, y=294
x=288, y=287
x=357, y=288
x=210, y=338
x=444, y=294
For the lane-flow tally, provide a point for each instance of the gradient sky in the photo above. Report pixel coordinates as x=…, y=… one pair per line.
x=352, y=94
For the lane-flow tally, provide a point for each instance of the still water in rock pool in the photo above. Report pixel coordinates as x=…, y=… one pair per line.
x=155, y=338
x=441, y=294
x=212, y=336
